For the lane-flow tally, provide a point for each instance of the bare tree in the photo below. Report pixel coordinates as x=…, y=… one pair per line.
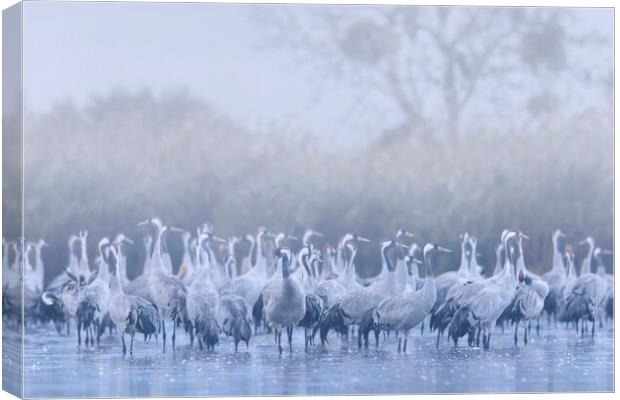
x=433, y=63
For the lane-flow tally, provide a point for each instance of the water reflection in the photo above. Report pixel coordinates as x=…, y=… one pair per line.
x=555, y=361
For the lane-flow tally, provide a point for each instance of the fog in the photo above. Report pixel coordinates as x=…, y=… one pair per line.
x=340, y=118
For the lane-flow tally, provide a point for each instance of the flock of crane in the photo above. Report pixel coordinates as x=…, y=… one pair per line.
x=274, y=288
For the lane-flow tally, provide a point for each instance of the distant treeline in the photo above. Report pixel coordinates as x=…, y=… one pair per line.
x=127, y=156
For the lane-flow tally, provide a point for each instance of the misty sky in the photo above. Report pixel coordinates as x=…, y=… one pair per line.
x=74, y=50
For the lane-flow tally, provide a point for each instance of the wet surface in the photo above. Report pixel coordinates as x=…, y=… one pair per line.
x=557, y=360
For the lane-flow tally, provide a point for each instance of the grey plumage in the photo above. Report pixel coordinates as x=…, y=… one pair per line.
x=233, y=316
x=285, y=305
x=130, y=314
x=311, y=319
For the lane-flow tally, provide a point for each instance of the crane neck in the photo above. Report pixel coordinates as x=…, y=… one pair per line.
x=463, y=266
x=260, y=252
x=428, y=265
x=388, y=260
x=600, y=265
x=498, y=262
x=157, y=261
x=83, y=255
x=38, y=259
x=586, y=265
x=351, y=264
x=285, y=262
x=473, y=265
x=509, y=264
x=251, y=251
x=572, y=273
x=309, y=272
x=558, y=263
x=115, y=281
x=104, y=273
x=520, y=260
x=204, y=272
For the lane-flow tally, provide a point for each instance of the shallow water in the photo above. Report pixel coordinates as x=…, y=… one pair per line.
x=557, y=360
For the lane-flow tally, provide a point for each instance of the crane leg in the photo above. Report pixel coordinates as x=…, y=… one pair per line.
x=593, y=325
x=399, y=340
x=377, y=333
x=124, y=346
x=583, y=328
x=279, y=337
x=538, y=326
x=289, y=334
x=163, y=333
x=405, y=343
x=422, y=329
x=79, y=333
x=437, y=344
x=517, y=334
x=174, y=334
x=130, y=343
x=525, y=336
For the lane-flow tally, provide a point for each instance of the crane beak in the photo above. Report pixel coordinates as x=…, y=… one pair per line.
x=293, y=237
x=584, y=241
x=444, y=249
x=607, y=252
x=525, y=236
x=218, y=239
x=315, y=233
x=175, y=229
x=146, y=221
x=363, y=239
x=409, y=234
x=402, y=245
x=415, y=260
x=561, y=234
x=128, y=240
